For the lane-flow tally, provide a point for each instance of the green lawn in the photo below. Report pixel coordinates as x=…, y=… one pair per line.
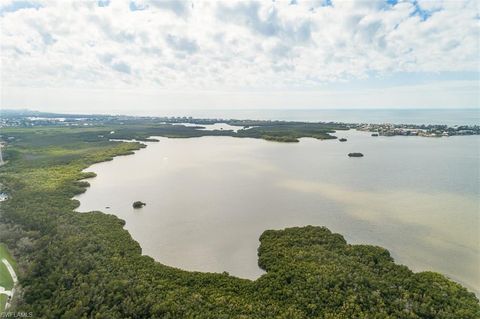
x=3, y=301
x=6, y=280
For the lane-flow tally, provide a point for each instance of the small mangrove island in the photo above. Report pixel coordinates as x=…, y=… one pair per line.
x=138, y=204
x=355, y=154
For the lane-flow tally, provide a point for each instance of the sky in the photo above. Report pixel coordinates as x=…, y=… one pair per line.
x=148, y=56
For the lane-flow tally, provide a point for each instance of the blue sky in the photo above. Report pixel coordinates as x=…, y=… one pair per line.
x=145, y=56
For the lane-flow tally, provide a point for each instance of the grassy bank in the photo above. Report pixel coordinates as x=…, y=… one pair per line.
x=6, y=280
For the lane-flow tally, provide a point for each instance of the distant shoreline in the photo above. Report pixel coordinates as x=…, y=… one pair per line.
x=448, y=117
x=273, y=130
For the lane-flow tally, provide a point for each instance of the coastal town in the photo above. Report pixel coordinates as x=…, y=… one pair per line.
x=419, y=130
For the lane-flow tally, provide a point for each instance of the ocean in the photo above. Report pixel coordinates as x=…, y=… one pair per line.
x=397, y=116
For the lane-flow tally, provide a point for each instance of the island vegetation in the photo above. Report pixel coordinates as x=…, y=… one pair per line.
x=138, y=204
x=143, y=128
x=355, y=154
x=86, y=265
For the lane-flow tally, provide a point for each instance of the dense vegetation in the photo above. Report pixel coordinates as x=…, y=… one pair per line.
x=141, y=128
x=138, y=204
x=86, y=265
x=272, y=131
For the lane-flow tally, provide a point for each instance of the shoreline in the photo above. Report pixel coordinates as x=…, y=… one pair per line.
x=154, y=139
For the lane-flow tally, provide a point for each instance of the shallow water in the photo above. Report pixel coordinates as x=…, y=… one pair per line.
x=209, y=198
x=213, y=127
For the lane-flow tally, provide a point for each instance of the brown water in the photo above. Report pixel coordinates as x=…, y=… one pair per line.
x=209, y=199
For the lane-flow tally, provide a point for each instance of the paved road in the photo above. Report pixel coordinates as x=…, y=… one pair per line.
x=5, y=292
x=11, y=271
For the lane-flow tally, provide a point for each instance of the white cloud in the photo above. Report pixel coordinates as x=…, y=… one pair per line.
x=182, y=44
x=231, y=46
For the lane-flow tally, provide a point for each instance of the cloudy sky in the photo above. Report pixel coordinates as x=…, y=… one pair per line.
x=147, y=56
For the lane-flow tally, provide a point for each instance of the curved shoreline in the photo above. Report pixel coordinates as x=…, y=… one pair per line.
x=190, y=269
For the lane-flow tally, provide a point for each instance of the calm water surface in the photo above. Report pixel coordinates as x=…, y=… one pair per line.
x=209, y=199
x=398, y=116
